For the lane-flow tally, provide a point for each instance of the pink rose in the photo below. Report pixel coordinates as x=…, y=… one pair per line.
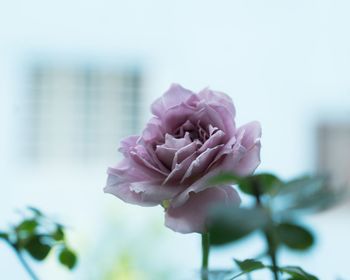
x=190, y=138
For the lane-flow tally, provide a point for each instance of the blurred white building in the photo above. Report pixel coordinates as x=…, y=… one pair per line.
x=77, y=112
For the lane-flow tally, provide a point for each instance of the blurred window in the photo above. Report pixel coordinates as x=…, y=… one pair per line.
x=334, y=151
x=79, y=112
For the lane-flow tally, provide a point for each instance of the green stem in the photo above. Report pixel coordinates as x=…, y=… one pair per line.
x=205, y=255
x=238, y=275
x=272, y=253
x=26, y=266
x=23, y=261
x=269, y=235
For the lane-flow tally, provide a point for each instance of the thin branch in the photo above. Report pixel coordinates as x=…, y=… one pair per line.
x=23, y=262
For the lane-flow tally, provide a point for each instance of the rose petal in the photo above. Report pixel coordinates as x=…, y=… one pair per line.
x=146, y=162
x=207, y=116
x=228, y=164
x=155, y=192
x=177, y=116
x=196, y=187
x=227, y=160
x=184, y=152
x=192, y=216
x=122, y=191
x=166, y=152
x=140, y=193
x=249, y=162
x=228, y=120
x=251, y=132
x=201, y=163
x=165, y=155
x=177, y=143
x=128, y=170
x=160, y=165
x=179, y=170
x=182, y=129
x=244, y=157
x=227, y=149
x=127, y=144
x=218, y=99
x=223, y=105
x=214, y=140
x=175, y=95
x=153, y=132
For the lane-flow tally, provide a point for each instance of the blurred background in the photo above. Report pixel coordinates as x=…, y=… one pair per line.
x=76, y=76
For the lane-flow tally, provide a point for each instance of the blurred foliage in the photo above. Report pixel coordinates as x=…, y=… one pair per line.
x=276, y=214
x=235, y=223
x=294, y=272
x=36, y=236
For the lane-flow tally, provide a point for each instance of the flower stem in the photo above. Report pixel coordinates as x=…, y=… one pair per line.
x=269, y=235
x=270, y=239
x=205, y=255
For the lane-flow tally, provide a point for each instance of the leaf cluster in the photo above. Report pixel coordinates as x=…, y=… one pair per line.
x=278, y=207
x=37, y=235
x=275, y=214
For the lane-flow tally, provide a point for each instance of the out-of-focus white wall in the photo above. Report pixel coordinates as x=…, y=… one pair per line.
x=285, y=63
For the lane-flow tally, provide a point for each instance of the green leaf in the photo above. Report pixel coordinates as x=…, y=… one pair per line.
x=224, y=179
x=249, y=265
x=294, y=236
x=264, y=183
x=58, y=234
x=37, y=248
x=297, y=273
x=310, y=194
x=228, y=224
x=68, y=258
x=303, y=184
x=4, y=235
x=27, y=226
x=36, y=211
